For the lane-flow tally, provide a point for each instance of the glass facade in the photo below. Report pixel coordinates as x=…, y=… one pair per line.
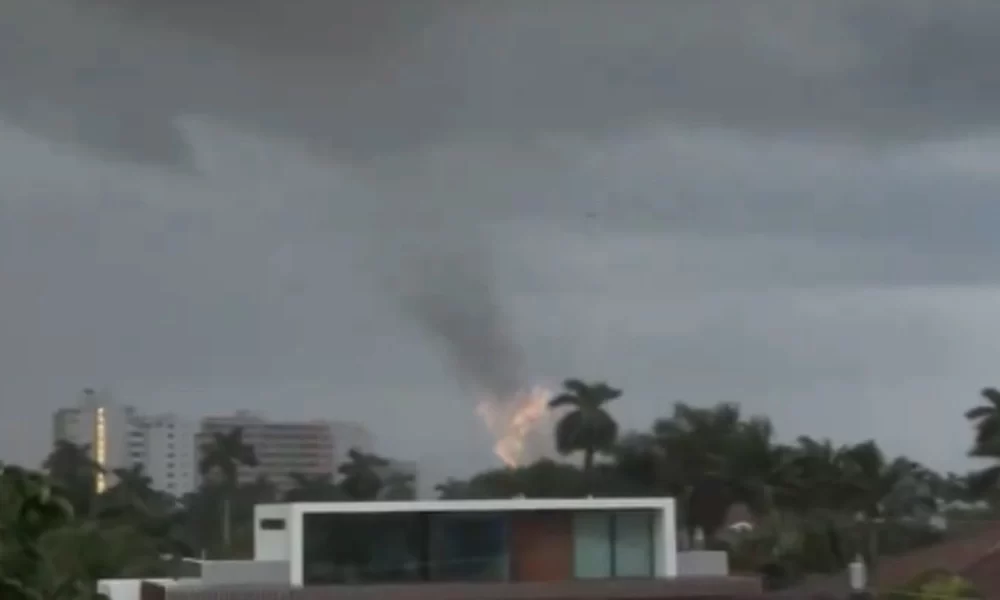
x=468, y=547
x=404, y=547
x=362, y=548
x=633, y=544
x=592, y=551
x=613, y=544
x=475, y=546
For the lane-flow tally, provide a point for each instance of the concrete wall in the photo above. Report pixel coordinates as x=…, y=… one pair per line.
x=665, y=542
x=213, y=573
x=129, y=589
x=270, y=543
x=702, y=563
x=243, y=572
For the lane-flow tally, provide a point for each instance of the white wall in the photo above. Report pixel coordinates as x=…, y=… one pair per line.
x=269, y=544
x=245, y=572
x=130, y=589
x=703, y=563
x=665, y=543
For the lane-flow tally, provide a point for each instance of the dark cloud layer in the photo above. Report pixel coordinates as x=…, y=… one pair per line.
x=364, y=78
x=625, y=190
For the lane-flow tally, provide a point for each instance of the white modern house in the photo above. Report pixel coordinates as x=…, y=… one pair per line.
x=469, y=540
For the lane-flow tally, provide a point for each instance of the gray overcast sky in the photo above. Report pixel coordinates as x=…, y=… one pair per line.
x=794, y=206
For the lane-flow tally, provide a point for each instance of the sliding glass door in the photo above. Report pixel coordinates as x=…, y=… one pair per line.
x=633, y=544
x=592, y=551
x=612, y=544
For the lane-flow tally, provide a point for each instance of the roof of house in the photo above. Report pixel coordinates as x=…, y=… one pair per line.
x=975, y=557
x=504, y=505
x=959, y=557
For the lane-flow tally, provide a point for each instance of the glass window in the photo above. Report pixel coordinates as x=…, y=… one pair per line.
x=612, y=544
x=272, y=524
x=468, y=547
x=362, y=548
x=633, y=544
x=592, y=544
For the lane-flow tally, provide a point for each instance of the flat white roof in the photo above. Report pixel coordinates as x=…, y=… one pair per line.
x=504, y=505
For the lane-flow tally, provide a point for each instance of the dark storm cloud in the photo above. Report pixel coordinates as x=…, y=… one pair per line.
x=364, y=78
x=253, y=276
x=234, y=290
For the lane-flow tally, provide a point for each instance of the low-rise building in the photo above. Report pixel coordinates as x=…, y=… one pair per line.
x=469, y=540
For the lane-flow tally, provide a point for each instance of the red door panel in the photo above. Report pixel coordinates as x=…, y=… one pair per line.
x=541, y=546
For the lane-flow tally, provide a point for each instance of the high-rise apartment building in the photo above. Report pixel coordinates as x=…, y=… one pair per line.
x=169, y=447
x=65, y=425
x=282, y=448
x=118, y=437
x=170, y=458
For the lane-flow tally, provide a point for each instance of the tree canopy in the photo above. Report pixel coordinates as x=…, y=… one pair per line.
x=811, y=504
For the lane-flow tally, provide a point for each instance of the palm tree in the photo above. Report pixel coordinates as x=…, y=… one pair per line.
x=361, y=479
x=398, y=486
x=199, y=522
x=134, y=479
x=30, y=509
x=225, y=454
x=760, y=471
x=133, y=486
x=883, y=490
x=133, y=502
x=986, y=420
x=828, y=493
x=71, y=467
x=260, y=491
x=711, y=459
x=588, y=427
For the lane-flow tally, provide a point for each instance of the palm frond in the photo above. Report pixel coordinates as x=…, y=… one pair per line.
x=991, y=395
x=563, y=400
